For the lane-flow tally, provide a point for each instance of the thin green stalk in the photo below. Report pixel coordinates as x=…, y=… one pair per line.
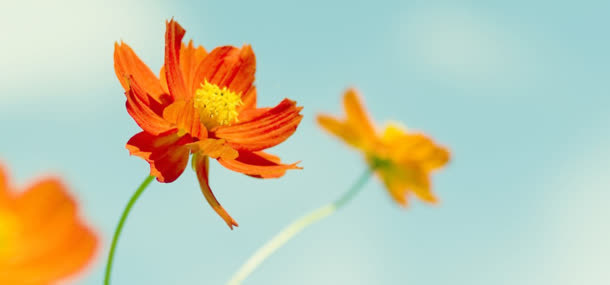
x=296, y=227
x=119, y=227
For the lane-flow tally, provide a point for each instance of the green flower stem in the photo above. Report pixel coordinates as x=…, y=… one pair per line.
x=119, y=227
x=296, y=227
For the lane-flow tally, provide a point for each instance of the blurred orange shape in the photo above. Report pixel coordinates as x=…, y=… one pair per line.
x=42, y=238
x=402, y=159
x=202, y=104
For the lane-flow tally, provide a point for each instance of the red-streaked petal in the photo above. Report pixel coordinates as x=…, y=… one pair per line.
x=173, y=73
x=251, y=114
x=166, y=153
x=201, y=166
x=127, y=63
x=139, y=107
x=190, y=58
x=229, y=67
x=264, y=131
x=258, y=164
x=186, y=118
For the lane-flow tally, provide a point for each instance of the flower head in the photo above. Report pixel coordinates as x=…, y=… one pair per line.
x=202, y=104
x=42, y=239
x=402, y=159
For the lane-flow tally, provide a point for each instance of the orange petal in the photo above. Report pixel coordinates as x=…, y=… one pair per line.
x=4, y=190
x=127, y=63
x=53, y=242
x=249, y=102
x=139, y=107
x=186, y=118
x=190, y=58
x=264, y=131
x=341, y=130
x=173, y=73
x=258, y=164
x=357, y=117
x=414, y=148
x=396, y=188
x=167, y=153
x=421, y=186
x=229, y=67
x=201, y=166
x=214, y=148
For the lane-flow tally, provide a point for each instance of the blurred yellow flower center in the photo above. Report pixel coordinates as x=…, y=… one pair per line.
x=216, y=106
x=9, y=228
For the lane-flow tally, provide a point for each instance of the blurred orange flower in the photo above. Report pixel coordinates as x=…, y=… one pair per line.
x=204, y=104
x=402, y=159
x=42, y=239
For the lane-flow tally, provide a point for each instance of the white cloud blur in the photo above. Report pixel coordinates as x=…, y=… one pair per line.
x=463, y=46
x=577, y=247
x=51, y=44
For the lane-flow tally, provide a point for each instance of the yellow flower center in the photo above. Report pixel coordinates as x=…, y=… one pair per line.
x=216, y=106
x=9, y=228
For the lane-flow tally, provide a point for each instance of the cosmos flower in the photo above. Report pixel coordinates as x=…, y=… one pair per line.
x=402, y=159
x=203, y=104
x=42, y=239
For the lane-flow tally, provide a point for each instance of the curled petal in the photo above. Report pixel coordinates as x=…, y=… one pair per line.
x=183, y=116
x=258, y=164
x=173, y=73
x=266, y=130
x=127, y=63
x=201, y=166
x=229, y=67
x=139, y=107
x=166, y=153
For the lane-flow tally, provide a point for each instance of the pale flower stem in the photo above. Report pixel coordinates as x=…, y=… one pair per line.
x=294, y=228
x=119, y=226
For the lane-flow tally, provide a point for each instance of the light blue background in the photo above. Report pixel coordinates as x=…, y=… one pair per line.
x=518, y=90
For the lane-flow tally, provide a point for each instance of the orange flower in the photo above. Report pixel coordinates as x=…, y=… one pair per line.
x=402, y=159
x=42, y=239
x=204, y=104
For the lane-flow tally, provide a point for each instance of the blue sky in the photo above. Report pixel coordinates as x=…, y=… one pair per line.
x=517, y=90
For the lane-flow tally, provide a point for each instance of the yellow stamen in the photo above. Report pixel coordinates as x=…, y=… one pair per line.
x=216, y=106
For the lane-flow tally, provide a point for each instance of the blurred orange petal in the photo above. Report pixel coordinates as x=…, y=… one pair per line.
x=402, y=159
x=43, y=239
